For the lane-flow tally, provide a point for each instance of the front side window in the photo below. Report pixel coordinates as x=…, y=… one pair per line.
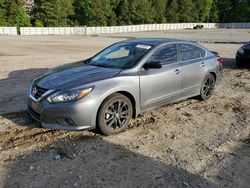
x=189, y=52
x=120, y=56
x=166, y=55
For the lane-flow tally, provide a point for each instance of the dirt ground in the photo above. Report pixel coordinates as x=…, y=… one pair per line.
x=188, y=144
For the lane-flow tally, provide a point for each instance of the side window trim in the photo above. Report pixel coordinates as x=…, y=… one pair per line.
x=177, y=54
x=178, y=46
x=200, y=49
x=180, y=58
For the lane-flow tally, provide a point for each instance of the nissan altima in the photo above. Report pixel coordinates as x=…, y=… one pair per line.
x=243, y=56
x=122, y=81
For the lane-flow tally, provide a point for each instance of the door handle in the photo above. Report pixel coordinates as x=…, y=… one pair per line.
x=203, y=64
x=177, y=71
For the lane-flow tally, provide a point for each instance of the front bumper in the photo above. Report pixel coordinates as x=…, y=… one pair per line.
x=79, y=115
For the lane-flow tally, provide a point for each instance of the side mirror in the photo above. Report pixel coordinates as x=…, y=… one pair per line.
x=152, y=65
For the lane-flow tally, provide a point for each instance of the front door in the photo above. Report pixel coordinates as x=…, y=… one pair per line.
x=161, y=86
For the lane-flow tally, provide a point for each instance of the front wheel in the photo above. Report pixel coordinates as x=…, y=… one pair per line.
x=114, y=114
x=207, y=87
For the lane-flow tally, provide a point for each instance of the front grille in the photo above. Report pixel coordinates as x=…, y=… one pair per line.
x=33, y=113
x=39, y=92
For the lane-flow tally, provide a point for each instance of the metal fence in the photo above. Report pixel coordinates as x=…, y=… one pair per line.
x=114, y=29
x=8, y=31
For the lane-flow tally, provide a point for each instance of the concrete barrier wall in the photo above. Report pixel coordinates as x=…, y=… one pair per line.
x=52, y=31
x=122, y=29
x=235, y=25
x=8, y=31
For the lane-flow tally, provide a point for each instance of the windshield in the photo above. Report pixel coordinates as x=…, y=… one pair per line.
x=120, y=56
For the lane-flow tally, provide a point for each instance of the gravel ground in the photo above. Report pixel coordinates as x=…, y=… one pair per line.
x=187, y=144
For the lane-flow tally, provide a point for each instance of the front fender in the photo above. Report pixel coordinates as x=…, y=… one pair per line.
x=105, y=88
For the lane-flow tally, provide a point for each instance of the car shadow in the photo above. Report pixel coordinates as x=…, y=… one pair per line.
x=13, y=95
x=90, y=161
x=236, y=171
x=230, y=63
x=87, y=161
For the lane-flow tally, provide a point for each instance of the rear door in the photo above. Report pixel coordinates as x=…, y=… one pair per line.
x=158, y=86
x=193, y=66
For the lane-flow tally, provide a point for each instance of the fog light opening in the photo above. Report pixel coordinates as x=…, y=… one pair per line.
x=66, y=122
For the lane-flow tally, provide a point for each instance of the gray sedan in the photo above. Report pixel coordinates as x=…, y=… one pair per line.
x=122, y=81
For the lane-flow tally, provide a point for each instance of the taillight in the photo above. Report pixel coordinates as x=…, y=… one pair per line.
x=220, y=62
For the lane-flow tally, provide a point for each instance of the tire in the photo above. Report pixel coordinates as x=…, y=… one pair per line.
x=114, y=114
x=207, y=87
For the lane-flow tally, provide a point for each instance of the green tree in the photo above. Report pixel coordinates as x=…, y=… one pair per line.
x=12, y=13
x=185, y=10
x=53, y=12
x=122, y=12
x=229, y=7
x=201, y=10
x=159, y=8
x=240, y=12
x=141, y=12
x=3, y=14
x=214, y=12
x=11, y=8
x=172, y=12
x=22, y=18
x=44, y=13
x=65, y=11
x=83, y=11
x=95, y=12
x=112, y=16
x=38, y=23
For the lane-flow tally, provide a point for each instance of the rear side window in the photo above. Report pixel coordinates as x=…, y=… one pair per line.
x=189, y=52
x=202, y=52
x=166, y=54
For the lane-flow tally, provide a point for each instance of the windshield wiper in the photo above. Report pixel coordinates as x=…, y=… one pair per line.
x=86, y=61
x=100, y=65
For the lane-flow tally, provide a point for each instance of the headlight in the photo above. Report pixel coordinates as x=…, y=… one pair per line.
x=241, y=50
x=70, y=95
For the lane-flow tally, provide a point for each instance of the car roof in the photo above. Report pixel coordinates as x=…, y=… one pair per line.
x=150, y=41
x=247, y=45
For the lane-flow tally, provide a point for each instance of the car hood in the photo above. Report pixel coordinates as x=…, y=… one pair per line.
x=74, y=75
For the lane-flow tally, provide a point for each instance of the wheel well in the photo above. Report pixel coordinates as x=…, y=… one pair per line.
x=214, y=75
x=132, y=100
x=130, y=97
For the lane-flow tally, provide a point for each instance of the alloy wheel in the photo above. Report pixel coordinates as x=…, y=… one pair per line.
x=208, y=86
x=117, y=114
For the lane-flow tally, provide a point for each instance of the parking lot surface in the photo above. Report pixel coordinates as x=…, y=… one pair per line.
x=188, y=144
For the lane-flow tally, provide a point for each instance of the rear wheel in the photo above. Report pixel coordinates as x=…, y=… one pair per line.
x=207, y=88
x=114, y=114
